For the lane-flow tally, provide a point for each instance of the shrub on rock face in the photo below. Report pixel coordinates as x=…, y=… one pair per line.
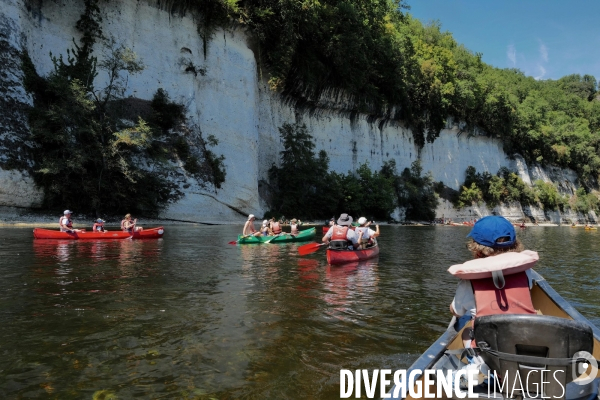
x=504, y=187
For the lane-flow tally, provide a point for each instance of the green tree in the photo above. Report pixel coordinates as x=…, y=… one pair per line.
x=414, y=191
x=298, y=183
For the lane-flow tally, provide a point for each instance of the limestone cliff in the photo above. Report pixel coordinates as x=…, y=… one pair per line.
x=229, y=100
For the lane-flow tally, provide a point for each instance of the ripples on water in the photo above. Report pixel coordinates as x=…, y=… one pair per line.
x=189, y=316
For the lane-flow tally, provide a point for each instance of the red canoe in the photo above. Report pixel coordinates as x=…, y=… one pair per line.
x=40, y=233
x=152, y=233
x=346, y=256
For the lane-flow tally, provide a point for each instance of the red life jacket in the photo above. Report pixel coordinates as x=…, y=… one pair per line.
x=513, y=298
x=339, y=232
x=275, y=228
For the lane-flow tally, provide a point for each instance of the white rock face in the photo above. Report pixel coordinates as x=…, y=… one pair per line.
x=233, y=103
x=17, y=190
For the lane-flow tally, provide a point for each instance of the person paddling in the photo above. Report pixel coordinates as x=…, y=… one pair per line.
x=98, y=225
x=366, y=234
x=249, y=229
x=340, y=235
x=65, y=223
x=294, y=226
x=129, y=225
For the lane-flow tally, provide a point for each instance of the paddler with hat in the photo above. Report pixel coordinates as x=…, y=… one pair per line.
x=249, y=229
x=341, y=235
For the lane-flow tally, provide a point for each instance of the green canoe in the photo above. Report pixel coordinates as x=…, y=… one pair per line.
x=303, y=236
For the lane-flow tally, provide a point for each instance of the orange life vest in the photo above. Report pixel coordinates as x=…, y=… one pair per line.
x=339, y=232
x=275, y=228
x=513, y=298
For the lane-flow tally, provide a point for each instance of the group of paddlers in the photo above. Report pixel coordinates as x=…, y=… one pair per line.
x=342, y=235
x=269, y=227
x=127, y=224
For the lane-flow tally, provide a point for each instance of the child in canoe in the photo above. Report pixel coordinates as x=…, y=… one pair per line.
x=98, y=225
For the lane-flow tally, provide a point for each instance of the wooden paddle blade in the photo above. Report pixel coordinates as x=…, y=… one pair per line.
x=309, y=248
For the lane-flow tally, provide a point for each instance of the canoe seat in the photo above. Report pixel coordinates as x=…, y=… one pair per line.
x=338, y=245
x=515, y=345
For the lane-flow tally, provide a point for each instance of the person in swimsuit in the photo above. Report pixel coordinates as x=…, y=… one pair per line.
x=265, y=230
x=249, y=229
x=129, y=225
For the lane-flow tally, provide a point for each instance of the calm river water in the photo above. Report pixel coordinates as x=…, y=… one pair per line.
x=192, y=317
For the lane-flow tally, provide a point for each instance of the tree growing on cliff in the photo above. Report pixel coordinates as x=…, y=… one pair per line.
x=94, y=149
x=303, y=187
x=414, y=191
x=301, y=182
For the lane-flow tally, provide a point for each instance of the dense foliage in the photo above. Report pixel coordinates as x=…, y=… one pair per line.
x=504, y=187
x=507, y=186
x=371, y=57
x=95, y=150
x=414, y=191
x=302, y=186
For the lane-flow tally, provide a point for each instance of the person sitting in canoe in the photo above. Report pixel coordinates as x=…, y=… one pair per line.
x=249, y=229
x=340, y=235
x=491, y=236
x=98, y=225
x=294, y=225
x=366, y=234
x=275, y=226
x=265, y=230
x=129, y=225
x=65, y=223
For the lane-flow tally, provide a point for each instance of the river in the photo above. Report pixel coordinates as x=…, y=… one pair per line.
x=191, y=317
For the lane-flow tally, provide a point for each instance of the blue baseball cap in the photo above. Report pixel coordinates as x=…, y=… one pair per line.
x=488, y=230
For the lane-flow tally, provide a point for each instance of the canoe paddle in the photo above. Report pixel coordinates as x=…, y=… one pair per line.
x=310, y=248
x=237, y=241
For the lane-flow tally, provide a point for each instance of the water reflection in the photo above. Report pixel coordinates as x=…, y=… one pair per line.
x=350, y=285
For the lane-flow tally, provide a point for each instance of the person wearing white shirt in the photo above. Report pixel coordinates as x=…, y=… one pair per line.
x=366, y=234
